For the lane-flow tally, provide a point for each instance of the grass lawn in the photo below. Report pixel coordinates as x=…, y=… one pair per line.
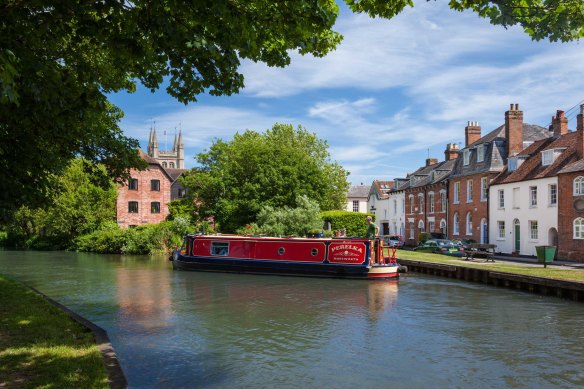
x=42, y=347
x=538, y=270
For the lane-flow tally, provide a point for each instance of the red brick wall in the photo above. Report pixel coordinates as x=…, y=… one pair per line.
x=568, y=248
x=478, y=209
x=144, y=196
x=438, y=214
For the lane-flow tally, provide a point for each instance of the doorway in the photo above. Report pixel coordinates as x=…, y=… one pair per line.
x=517, y=236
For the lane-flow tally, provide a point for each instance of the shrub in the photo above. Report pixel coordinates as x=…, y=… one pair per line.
x=354, y=222
x=424, y=236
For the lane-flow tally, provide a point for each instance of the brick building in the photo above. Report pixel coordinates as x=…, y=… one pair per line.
x=426, y=197
x=478, y=163
x=144, y=198
x=537, y=199
x=571, y=201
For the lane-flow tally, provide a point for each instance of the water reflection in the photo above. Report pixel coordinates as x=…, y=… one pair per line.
x=188, y=329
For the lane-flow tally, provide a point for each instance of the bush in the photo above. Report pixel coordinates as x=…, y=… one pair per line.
x=145, y=239
x=354, y=222
x=424, y=236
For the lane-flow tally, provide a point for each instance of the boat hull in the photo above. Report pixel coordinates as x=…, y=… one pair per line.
x=294, y=269
x=282, y=256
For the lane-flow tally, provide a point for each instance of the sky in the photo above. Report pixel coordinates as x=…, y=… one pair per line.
x=394, y=93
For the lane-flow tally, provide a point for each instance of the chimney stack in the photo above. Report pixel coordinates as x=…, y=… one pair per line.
x=514, y=130
x=580, y=131
x=472, y=133
x=431, y=161
x=451, y=151
x=560, y=124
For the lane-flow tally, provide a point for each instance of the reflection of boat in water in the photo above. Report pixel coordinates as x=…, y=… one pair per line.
x=344, y=258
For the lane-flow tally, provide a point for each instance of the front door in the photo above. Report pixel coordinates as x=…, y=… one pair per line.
x=517, y=236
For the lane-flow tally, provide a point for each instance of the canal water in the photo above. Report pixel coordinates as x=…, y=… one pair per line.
x=176, y=329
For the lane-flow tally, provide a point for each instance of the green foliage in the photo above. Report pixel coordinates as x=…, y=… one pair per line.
x=79, y=201
x=236, y=179
x=146, y=239
x=424, y=236
x=300, y=221
x=354, y=222
x=59, y=59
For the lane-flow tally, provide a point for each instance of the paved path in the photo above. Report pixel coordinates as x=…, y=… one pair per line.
x=532, y=261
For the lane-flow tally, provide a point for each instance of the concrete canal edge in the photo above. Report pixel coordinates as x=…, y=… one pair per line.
x=539, y=285
x=115, y=374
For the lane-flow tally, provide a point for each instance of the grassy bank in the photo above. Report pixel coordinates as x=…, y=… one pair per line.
x=567, y=274
x=40, y=346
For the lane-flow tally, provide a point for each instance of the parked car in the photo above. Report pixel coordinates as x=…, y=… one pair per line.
x=394, y=240
x=441, y=246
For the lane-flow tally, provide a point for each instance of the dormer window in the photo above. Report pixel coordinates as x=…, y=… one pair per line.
x=466, y=157
x=480, y=153
x=515, y=162
x=512, y=164
x=547, y=157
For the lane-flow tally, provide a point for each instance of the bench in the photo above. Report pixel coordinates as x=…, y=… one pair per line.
x=480, y=250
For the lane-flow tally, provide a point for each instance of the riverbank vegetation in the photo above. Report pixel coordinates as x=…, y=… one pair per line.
x=238, y=178
x=42, y=347
x=536, y=270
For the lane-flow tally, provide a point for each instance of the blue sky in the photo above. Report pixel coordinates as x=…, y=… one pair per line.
x=392, y=93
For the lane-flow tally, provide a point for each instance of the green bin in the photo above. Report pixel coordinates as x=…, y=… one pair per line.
x=545, y=254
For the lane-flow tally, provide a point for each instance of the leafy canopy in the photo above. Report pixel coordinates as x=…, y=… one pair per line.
x=237, y=178
x=302, y=220
x=59, y=59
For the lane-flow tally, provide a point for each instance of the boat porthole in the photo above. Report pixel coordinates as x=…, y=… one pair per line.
x=314, y=252
x=281, y=251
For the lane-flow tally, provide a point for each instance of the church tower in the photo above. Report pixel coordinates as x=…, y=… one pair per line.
x=172, y=159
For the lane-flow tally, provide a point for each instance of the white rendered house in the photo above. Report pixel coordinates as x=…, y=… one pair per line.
x=524, y=215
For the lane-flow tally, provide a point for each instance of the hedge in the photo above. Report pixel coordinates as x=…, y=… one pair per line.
x=354, y=222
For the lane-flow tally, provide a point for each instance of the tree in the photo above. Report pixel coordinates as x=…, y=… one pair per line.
x=298, y=221
x=78, y=205
x=237, y=178
x=59, y=59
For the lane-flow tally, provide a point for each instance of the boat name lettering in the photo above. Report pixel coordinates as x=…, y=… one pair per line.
x=347, y=247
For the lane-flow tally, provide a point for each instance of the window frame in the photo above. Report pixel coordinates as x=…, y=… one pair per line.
x=133, y=184
x=466, y=157
x=533, y=232
x=431, y=202
x=456, y=224
x=153, y=206
x=578, y=228
x=553, y=195
x=501, y=198
x=155, y=185
x=456, y=191
x=469, y=190
x=133, y=207
x=480, y=153
x=356, y=205
x=579, y=186
x=533, y=197
x=501, y=229
x=468, y=223
x=219, y=248
x=484, y=189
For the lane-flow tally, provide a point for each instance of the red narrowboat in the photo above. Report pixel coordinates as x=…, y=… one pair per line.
x=323, y=257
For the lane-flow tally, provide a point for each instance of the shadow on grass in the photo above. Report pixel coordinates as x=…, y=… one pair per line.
x=41, y=346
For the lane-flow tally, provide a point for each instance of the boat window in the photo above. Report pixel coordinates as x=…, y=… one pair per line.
x=219, y=248
x=314, y=252
x=281, y=251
